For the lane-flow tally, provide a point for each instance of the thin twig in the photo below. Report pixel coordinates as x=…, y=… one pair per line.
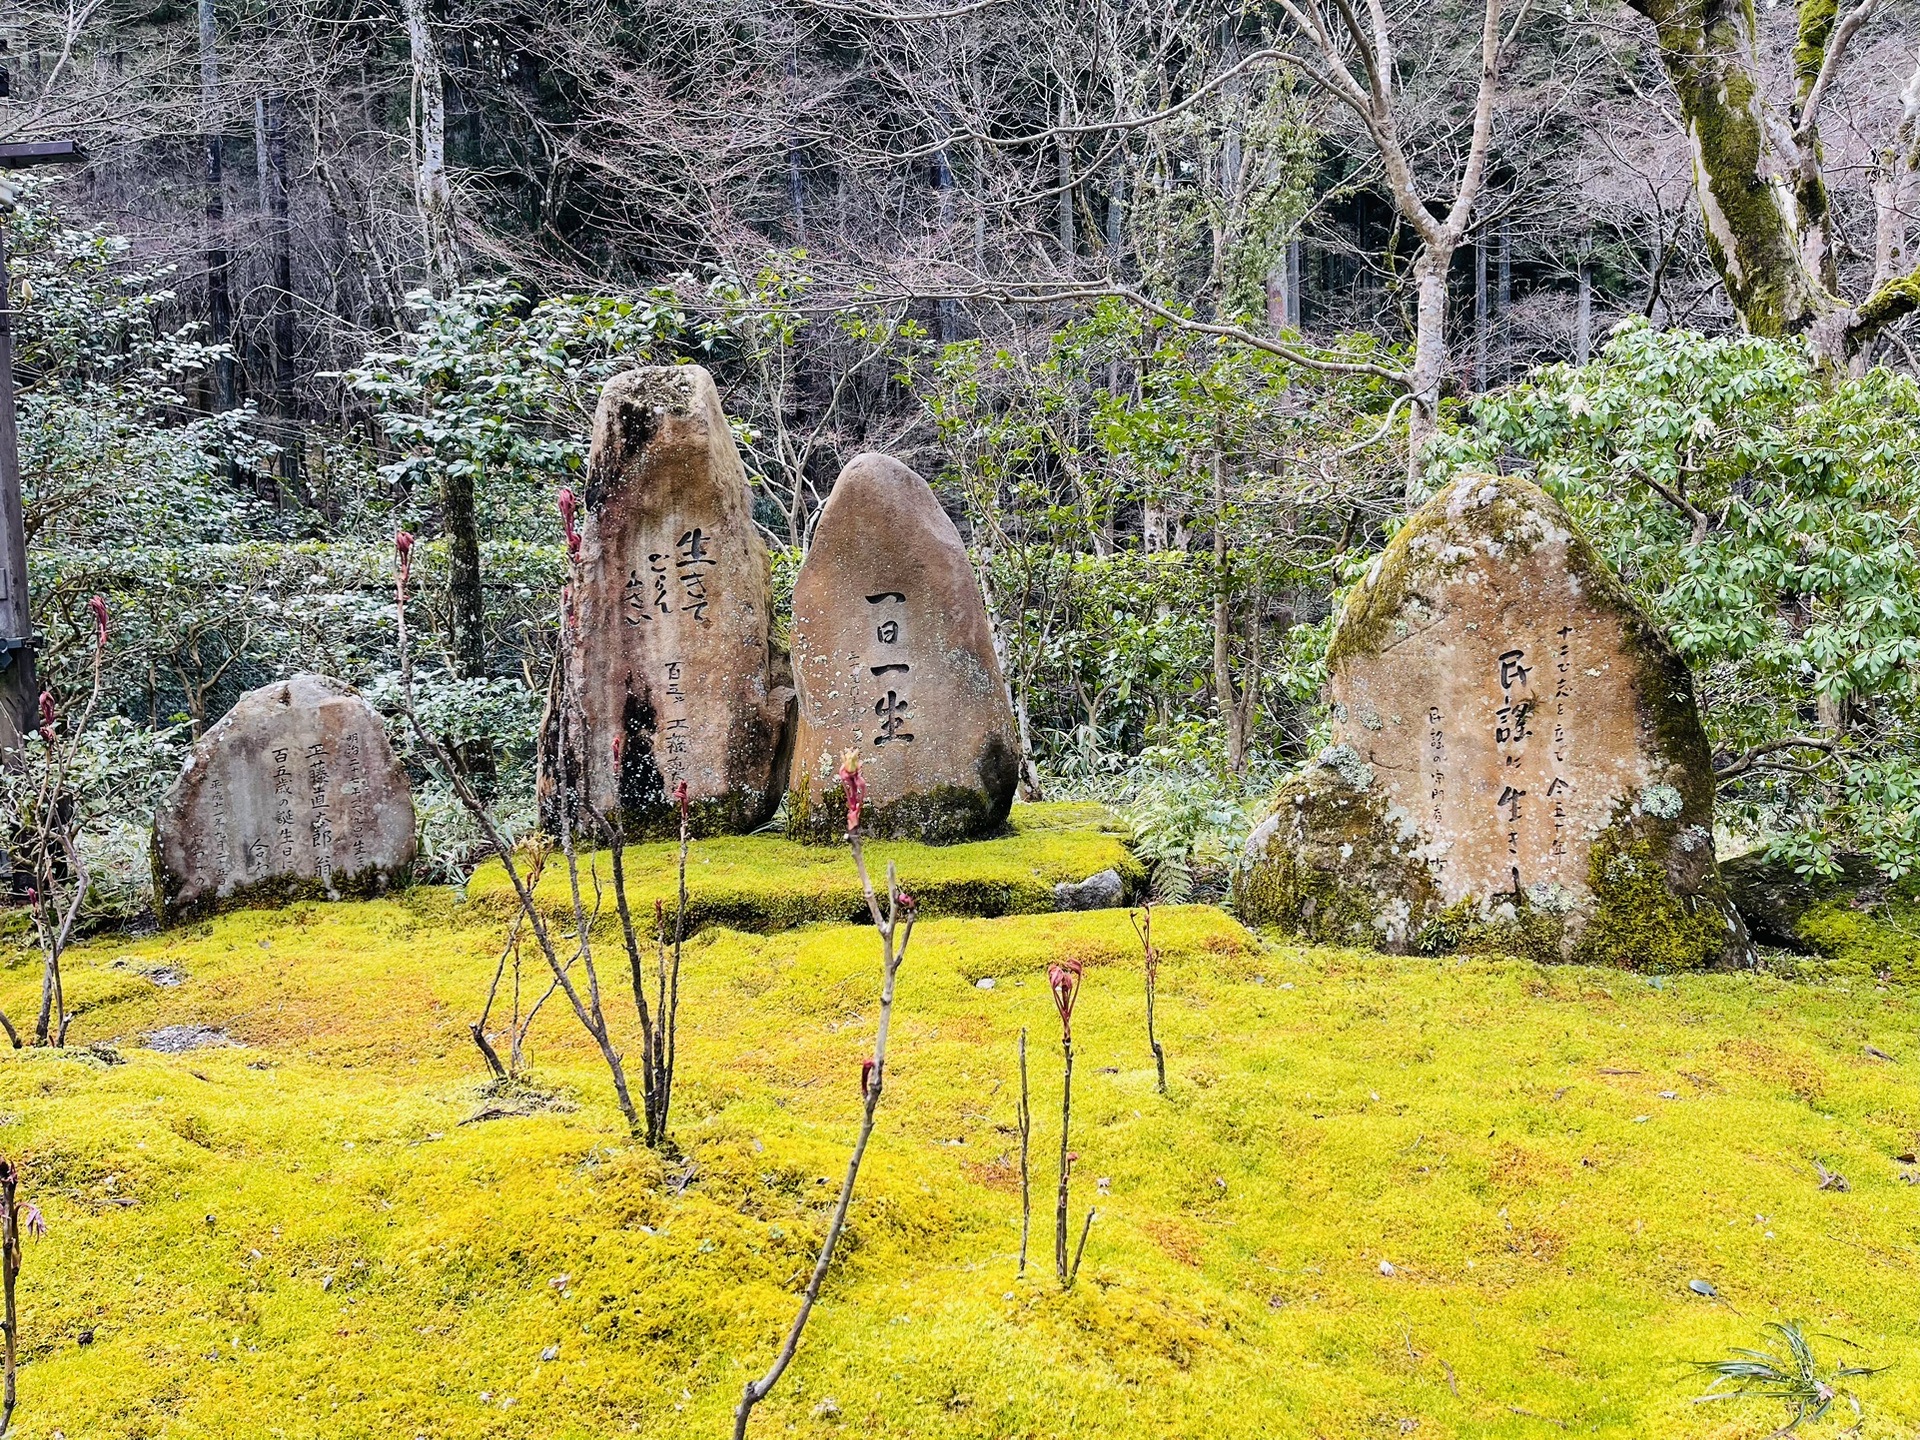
x=1026, y=1176
x=899, y=909
x=1073, y=1272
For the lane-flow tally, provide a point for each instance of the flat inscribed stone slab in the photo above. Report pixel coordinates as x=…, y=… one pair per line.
x=673, y=656
x=1517, y=761
x=893, y=656
x=293, y=793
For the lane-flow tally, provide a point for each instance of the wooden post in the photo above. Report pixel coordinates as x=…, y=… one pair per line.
x=19, y=687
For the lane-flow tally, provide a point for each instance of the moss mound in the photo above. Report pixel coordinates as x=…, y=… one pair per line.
x=1856, y=923
x=764, y=883
x=333, y=1228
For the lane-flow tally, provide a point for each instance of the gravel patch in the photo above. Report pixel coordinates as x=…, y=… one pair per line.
x=178, y=1039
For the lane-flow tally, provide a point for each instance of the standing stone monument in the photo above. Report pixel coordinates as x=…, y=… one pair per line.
x=893, y=656
x=1517, y=762
x=674, y=673
x=294, y=793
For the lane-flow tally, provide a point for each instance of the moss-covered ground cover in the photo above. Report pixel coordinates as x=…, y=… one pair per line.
x=767, y=882
x=1384, y=1197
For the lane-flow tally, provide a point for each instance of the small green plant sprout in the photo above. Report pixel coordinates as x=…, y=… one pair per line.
x=1143, y=927
x=1795, y=1378
x=1063, y=979
x=894, y=923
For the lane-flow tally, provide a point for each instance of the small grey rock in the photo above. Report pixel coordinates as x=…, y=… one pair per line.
x=1103, y=891
x=179, y=1039
x=552, y=1352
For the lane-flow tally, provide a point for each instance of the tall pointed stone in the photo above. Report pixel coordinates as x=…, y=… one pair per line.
x=893, y=657
x=294, y=793
x=1517, y=761
x=673, y=670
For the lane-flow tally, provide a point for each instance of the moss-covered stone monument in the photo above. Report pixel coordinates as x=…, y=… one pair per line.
x=893, y=656
x=1517, y=761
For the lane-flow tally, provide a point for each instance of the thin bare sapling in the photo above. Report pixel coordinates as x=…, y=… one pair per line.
x=659, y=1022
x=44, y=821
x=583, y=999
x=894, y=922
x=1026, y=1171
x=1143, y=927
x=15, y=1218
x=519, y=1021
x=1063, y=979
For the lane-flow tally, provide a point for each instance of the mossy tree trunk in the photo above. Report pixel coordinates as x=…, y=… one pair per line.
x=1758, y=172
x=433, y=195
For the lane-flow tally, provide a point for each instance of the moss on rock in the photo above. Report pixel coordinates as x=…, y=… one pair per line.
x=1409, y=831
x=1855, y=923
x=1332, y=865
x=1641, y=920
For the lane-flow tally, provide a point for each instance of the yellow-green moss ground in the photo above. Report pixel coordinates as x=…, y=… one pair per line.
x=301, y=1237
x=767, y=882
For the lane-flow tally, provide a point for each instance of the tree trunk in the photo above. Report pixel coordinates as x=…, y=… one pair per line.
x=431, y=190
x=1892, y=181
x=1503, y=304
x=1481, y=316
x=219, y=293
x=1583, y=314
x=282, y=230
x=1233, y=714
x=1429, y=354
x=796, y=176
x=1063, y=161
x=1011, y=678
x=944, y=308
x=1708, y=49
x=260, y=158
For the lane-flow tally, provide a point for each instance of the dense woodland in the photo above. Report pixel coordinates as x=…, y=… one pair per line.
x=1180, y=307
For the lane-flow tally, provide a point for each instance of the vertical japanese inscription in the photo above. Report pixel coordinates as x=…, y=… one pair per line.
x=886, y=666
x=678, y=574
x=1436, y=763
x=283, y=803
x=222, y=843
x=692, y=560
x=1512, y=720
x=1562, y=693
x=319, y=818
x=353, y=762
x=675, y=729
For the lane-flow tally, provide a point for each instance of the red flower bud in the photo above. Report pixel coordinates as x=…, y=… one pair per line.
x=906, y=902
x=403, y=547
x=46, y=716
x=569, y=508
x=855, y=785
x=866, y=1077
x=680, y=797
x=1063, y=978
x=98, y=606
